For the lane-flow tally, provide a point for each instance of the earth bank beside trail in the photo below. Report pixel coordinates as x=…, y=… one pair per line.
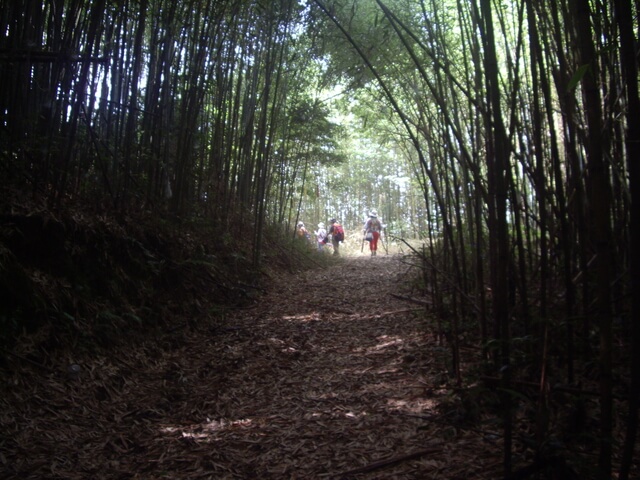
x=327, y=375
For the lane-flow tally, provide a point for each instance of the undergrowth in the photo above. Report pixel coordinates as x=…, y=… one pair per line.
x=84, y=282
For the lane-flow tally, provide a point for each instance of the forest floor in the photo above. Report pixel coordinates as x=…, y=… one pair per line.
x=331, y=373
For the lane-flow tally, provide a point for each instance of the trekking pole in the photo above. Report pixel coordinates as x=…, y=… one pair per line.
x=362, y=247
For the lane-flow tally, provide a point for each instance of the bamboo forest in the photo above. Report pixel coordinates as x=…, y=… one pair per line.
x=162, y=314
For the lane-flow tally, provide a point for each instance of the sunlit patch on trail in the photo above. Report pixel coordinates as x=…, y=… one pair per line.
x=419, y=405
x=387, y=341
x=336, y=413
x=209, y=429
x=302, y=317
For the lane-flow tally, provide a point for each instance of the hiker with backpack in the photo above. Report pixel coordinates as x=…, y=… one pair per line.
x=372, y=229
x=302, y=232
x=337, y=235
x=321, y=236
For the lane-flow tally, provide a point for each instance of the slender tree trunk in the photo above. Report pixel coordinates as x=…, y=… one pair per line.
x=624, y=16
x=130, y=140
x=600, y=190
x=95, y=17
x=498, y=171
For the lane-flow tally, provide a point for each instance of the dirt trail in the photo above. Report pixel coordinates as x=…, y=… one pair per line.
x=327, y=374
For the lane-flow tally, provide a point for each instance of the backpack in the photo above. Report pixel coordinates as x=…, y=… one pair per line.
x=338, y=232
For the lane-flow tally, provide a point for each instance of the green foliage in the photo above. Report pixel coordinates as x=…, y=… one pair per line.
x=313, y=131
x=577, y=77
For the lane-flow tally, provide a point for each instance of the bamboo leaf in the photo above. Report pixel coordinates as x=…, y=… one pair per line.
x=577, y=77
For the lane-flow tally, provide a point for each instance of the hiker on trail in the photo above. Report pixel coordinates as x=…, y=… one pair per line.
x=303, y=233
x=321, y=236
x=372, y=228
x=337, y=235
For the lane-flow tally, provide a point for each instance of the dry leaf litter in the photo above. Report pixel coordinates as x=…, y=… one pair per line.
x=328, y=375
